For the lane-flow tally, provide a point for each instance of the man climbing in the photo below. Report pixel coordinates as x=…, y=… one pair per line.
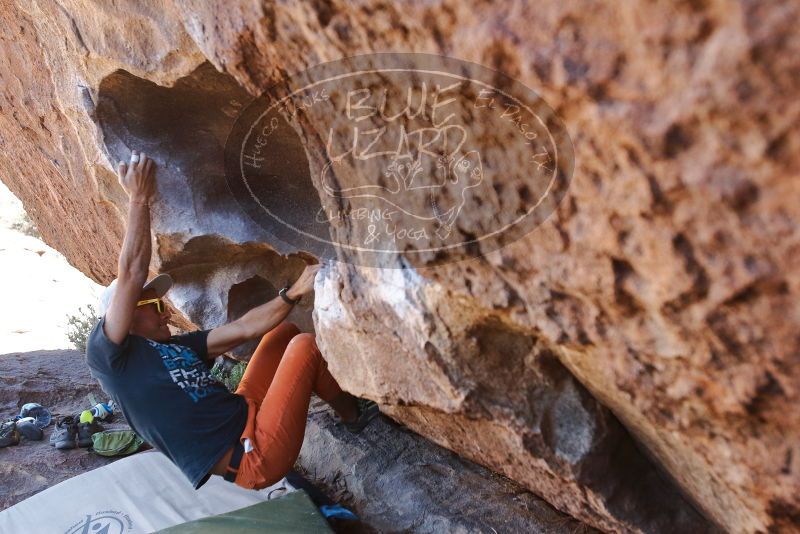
x=163, y=384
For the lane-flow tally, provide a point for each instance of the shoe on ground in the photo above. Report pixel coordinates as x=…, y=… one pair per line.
x=85, y=432
x=9, y=435
x=38, y=412
x=367, y=411
x=65, y=434
x=29, y=429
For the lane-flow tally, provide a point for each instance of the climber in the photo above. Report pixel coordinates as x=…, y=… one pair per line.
x=163, y=382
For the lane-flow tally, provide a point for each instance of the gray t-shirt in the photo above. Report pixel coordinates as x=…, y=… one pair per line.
x=169, y=396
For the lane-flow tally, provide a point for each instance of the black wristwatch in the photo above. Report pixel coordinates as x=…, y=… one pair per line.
x=286, y=298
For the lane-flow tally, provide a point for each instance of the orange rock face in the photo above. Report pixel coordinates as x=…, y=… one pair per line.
x=662, y=290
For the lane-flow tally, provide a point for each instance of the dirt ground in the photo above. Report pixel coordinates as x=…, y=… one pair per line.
x=60, y=381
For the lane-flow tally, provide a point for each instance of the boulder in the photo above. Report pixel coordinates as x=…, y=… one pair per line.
x=396, y=481
x=473, y=381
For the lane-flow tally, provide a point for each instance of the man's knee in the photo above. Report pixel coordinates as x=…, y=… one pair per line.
x=285, y=328
x=304, y=344
x=289, y=327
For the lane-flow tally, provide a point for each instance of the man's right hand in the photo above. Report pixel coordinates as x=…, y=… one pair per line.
x=137, y=177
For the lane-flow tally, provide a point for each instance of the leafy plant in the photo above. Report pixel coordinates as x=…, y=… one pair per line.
x=25, y=225
x=228, y=374
x=80, y=325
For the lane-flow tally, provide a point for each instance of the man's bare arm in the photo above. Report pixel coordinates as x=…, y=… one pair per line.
x=261, y=319
x=134, y=260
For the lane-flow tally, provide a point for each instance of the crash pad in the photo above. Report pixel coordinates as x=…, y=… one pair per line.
x=294, y=513
x=134, y=495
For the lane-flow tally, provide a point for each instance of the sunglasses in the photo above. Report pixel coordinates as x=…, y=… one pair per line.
x=158, y=302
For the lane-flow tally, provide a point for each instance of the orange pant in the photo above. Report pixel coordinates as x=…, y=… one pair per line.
x=277, y=384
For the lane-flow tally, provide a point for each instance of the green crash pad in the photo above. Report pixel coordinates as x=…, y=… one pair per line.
x=292, y=513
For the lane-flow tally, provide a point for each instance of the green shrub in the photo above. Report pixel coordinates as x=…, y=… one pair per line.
x=25, y=225
x=80, y=325
x=230, y=375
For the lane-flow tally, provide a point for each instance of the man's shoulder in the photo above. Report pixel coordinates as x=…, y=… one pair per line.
x=97, y=334
x=93, y=333
x=101, y=351
x=196, y=342
x=95, y=342
x=193, y=339
x=177, y=338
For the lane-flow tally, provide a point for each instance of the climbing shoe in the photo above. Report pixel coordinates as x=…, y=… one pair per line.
x=29, y=429
x=9, y=435
x=85, y=432
x=38, y=412
x=367, y=410
x=65, y=434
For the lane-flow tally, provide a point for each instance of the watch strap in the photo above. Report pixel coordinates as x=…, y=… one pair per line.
x=285, y=297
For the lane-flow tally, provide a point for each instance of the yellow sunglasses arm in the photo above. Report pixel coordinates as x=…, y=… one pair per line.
x=159, y=304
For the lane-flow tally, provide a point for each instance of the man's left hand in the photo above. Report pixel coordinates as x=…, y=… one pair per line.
x=304, y=284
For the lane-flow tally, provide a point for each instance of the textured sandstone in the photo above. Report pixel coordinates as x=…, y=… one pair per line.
x=666, y=282
x=397, y=482
x=472, y=381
